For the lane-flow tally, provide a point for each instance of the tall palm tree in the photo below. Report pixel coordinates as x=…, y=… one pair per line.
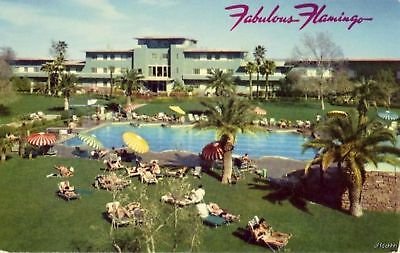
x=352, y=145
x=67, y=87
x=250, y=69
x=112, y=69
x=368, y=93
x=267, y=68
x=229, y=116
x=259, y=54
x=130, y=81
x=50, y=69
x=221, y=82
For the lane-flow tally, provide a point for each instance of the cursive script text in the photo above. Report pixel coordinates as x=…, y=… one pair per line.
x=312, y=14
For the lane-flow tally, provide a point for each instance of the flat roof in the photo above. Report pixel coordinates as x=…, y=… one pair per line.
x=196, y=50
x=165, y=38
x=67, y=62
x=109, y=51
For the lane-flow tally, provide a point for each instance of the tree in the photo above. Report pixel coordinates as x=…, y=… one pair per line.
x=342, y=86
x=250, y=69
x=229, y=116
x=267, y=68
x=5, y=145
x=352, y=144
x=7, y=93
x=368, y=93
x=386, y=78
x=130, y=81
x=112, y=69
x=67, y=87
x=55, y=67
x=163, y=226
x=321, y=50
x=221, y=82
x=259, y=53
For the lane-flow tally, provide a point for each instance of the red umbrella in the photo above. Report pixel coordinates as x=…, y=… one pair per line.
x=213, y=151
x=41, y=139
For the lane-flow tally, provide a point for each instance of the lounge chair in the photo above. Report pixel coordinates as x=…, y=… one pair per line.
x=215, y=210
x=120, y=215
x=191, y=117
x=148, y=177
x=113, y=165
x=110, y=182
x=66, y=191
x=208, y=218
x=64, y=171
x=263, y=234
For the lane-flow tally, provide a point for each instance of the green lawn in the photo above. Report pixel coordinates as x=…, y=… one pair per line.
x=35, y=219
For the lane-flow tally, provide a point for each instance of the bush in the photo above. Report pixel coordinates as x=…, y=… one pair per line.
x=5, y=130
x=4, y=110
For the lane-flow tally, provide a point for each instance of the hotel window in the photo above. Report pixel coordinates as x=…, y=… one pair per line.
x=25, y=69
x=229, y=71
x=165, y=56
x=94, y=70
x=217, y=56
x=105, y=83
x=196, y=71
x=209, y=57
x=36, y=69
x=105, y=70
x=209, y=71
x=159, y=71
x=138, y=70
x=165, y=71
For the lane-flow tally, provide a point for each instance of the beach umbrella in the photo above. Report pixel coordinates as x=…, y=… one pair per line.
x=90, y=140
x=135, y=142
x=41, y=139
x=213, y=151
x=336, y=113
x=132, y=107
x=260, y=111
x=388, y=115
x=177, y=109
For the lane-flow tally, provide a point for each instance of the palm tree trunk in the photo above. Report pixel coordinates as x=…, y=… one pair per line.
x=226, y=177
x=48, y=86
x=258, y=83
x=128, y=100
x=66, y=103
x=251, y=87
x=355, y=201
x=3, y=156
x=266, y=96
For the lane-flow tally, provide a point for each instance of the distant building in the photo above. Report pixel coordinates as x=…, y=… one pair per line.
x=164, y=60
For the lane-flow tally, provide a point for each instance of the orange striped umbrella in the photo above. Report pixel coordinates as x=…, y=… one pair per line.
x=41, y=139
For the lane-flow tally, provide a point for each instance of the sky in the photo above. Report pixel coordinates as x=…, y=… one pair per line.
x=30, y=26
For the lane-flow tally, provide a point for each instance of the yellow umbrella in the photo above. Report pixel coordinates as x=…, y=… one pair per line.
x=177, y=109
x=135, y=142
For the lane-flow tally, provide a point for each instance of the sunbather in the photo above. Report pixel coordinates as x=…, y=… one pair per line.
x=194, y=197
x=66, y=191
x=63, y=171
x=214, y=209
x=264, y=233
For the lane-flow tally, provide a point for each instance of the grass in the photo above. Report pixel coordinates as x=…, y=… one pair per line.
x=35, y=219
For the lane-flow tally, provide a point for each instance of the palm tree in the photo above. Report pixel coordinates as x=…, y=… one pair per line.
x=221, y=82
x=130, y=81
x=352, y=145
x=5, y=145
x=229, y=116
x=50, y=69
x=250, y=69
x=368, y=93
x=112, y=69
x=267, y=68
x=259, y=54
x=67, y=87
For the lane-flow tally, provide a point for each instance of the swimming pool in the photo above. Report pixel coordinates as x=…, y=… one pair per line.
x=187, y=138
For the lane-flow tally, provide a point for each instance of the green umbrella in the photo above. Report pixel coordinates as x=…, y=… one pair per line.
x=90, y=140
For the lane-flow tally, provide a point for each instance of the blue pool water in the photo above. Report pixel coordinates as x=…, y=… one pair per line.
x=189, y=139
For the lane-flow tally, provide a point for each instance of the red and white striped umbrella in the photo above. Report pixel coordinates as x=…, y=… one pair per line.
x=132, y=107
x=41, y=139
x=213, y=151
